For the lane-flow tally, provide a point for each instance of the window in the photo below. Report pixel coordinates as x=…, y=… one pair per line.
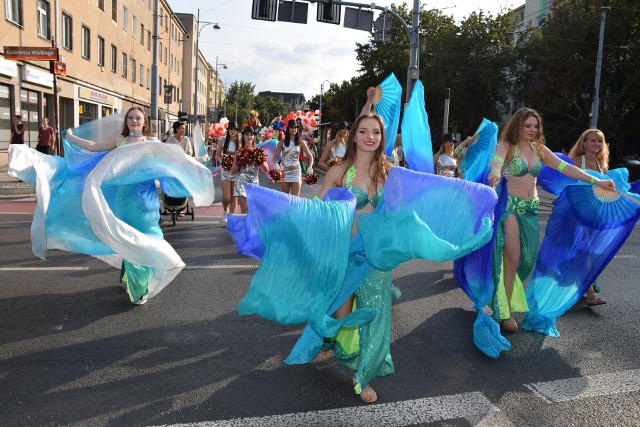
x=149, y=40
x=86, y=42
x=160, y=51
x=142, y=34
x=165, y=56
x=114, y=58
x=100, y=51
x=43, y=19
x=148, y=78
x=125, y=17
x=141, y=75
x=101, y=5
x=133, y=70
x=67, y=32
x=13, y=11
x=134, y=27
x=124, y=64
x=114, y=10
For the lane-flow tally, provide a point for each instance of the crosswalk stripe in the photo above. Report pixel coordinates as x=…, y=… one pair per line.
x=43, y=268
x=408, y=412
x=586, y=387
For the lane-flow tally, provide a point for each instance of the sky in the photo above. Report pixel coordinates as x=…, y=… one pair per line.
x=298, y=58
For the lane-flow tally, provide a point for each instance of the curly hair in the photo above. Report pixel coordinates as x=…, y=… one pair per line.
x=511, y=131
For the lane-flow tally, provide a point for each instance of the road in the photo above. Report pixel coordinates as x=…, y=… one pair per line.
x=74, y=351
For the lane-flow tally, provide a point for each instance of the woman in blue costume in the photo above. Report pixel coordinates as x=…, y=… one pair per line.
x=363, y=171
x=134, y=277
x=591, y=152
x=518, y=157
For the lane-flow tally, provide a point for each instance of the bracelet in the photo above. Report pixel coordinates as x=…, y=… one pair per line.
x=561, y=166
x=496, y=171
x=459, y=149
x=499, y=159
x=592, y=181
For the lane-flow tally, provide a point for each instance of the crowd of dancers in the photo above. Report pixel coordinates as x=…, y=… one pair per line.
x=367, y=218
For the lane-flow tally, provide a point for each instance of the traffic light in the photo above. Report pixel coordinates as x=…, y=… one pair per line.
x=328, y=13
x=264, y=10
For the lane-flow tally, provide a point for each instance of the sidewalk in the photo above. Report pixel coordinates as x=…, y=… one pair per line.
x=13, y=188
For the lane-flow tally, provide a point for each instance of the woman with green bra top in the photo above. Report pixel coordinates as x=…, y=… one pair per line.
x=518, y=157
x=591, y=152
x=364, y=170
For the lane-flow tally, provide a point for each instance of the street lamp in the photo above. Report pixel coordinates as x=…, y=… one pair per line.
x=596, y=91
x=215, y=88
x=321, y=89
x=216, y=27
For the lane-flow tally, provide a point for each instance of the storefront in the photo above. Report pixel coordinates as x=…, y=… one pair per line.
x=94, y=104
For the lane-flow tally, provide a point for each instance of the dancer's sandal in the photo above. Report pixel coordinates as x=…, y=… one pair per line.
x=368, y=394
x=594, y=300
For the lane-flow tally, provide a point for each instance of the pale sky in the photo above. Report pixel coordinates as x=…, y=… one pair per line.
x=286, y=57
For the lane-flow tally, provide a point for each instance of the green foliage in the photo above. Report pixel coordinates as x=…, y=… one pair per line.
x=240, y=99
x=268, y=107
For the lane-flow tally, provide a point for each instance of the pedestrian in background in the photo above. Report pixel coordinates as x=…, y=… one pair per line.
x=46, y=137
x=225, y=153
x=444, y=160
x=336, y=147
x=17, y=130
x=179, y=138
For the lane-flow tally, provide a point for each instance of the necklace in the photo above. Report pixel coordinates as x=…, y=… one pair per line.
x=135, y=134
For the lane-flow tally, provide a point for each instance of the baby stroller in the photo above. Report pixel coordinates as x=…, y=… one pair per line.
x=175, y=206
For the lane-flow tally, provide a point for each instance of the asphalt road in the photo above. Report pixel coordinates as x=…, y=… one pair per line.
x=74, y=351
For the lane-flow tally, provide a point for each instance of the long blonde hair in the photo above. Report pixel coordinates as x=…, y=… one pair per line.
x=379, y=158
x=511, y=132
x=602, y=156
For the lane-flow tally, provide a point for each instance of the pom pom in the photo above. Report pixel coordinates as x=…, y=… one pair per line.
x=227, y=162
x=334, y=161
x=276, y=175
x=311, y=178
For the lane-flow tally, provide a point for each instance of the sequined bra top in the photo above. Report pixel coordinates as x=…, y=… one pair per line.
x=362, y=199
x=519, y=166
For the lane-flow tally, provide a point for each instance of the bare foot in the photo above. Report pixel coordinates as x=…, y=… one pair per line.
x=509, y=325
x=368, y=394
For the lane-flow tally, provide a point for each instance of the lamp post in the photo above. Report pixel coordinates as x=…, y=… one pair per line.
x=154, y=73
x=596, y=94
x=320, y=108
x=215, y=88
x=216, y=27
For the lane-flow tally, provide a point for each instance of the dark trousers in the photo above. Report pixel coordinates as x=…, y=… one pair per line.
x=44, y=149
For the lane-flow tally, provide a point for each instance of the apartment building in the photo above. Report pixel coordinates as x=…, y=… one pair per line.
x=106, y=56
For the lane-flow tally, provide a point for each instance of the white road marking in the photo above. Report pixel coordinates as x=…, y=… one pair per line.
x=218, y=267
x=626, y=256
x=43, y=268
x=586, y=387
x=404, y=413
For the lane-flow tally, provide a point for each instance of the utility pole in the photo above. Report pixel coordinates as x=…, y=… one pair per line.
x=445, y=122
x=154, y=74
x=596, y=95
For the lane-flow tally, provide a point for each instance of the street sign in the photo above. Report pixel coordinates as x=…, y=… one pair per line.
x=358, y=19
x=291, y=11
x=31, y=53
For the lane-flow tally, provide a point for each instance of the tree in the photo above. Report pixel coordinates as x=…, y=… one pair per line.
x=240, y=101
x=269, y=107
x=559, y=62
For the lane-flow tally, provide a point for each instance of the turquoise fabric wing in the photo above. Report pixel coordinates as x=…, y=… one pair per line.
x=419, y=216
x=200, y=152
x=293, y=283
x=388, y=107
x=416, y=134
x=583, y=234
x=474, y=166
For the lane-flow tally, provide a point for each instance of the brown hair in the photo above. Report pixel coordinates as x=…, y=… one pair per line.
x=145, y=128
x=602, y=156
x=379, y=158
x=511, y=132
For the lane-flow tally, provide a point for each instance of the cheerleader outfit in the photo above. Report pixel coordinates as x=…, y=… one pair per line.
x=291, y=163
x=247, y=175
x=226, y=175
x=447, y=165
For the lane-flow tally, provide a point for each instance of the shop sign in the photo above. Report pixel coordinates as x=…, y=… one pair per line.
x=96, y=96
x=34, y=75
x=31, y=53
x=8, y=68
